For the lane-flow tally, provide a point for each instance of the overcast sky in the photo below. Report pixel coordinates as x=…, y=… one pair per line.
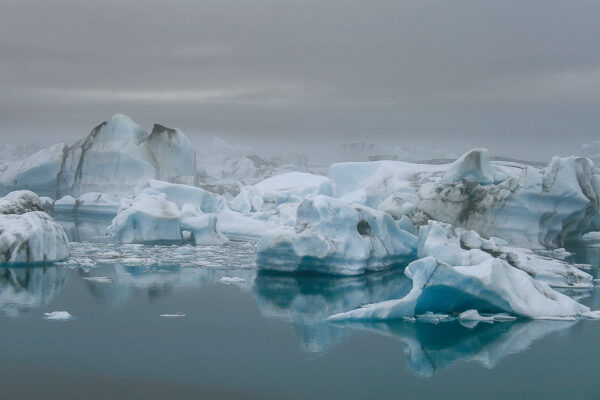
x=521, y=77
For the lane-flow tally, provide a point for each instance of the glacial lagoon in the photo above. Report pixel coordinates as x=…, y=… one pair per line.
x=201, y=322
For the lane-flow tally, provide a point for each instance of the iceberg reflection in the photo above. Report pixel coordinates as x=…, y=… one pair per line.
x=117, y=283
x=307, y=301
x=430, y=347
x=24, y=289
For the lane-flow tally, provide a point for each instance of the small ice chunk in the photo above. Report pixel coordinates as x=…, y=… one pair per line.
x=228, y=280
x=592, y=314
x=473, y=315
x=176, y=315
x=58, y=315
x=98, y=279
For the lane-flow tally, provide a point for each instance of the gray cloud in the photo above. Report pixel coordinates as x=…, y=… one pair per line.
x=447, y=74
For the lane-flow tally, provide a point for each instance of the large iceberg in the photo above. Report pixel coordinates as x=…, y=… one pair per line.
x=114, y=158
x=38, y=172
x=490, y=286
x=334, y=237
x=524, y=205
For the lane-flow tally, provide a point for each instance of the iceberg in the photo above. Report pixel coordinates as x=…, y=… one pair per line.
x=147, y=219
x=37, y=172
x=31, y=237
x=203, y=227
x=333, y=237
x=114, y=158
x=489, y=286
x=456, y=246
x=150, y=217
x=527, y=206
x=172, y=155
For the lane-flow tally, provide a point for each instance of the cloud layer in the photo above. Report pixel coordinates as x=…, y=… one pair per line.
x=448, y=74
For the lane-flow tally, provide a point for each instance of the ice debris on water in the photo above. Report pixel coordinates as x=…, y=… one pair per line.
x=58, y=316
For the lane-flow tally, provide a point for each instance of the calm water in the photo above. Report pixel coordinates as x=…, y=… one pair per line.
x=264, y=337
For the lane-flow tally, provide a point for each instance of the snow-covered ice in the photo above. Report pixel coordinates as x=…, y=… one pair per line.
x=19, y=202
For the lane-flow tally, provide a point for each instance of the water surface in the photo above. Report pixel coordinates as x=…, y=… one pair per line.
x=263, y=337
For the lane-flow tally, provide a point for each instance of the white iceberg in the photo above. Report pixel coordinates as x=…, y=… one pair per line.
x=492, y=286
x=147, y=219
x=114, y=158
x=456, y=246
x=524, y=205
x=31, y=237
x=37, y=172
x=333, y=237
x=203, y=227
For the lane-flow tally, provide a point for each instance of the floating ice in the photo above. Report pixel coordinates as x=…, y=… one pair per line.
x=97, y=279
x=176, y=315
x=488, y=286
x=334, y=237
x=114, y=158
x=147, y=219
x=524, y=205
x=202, y=227
x=58, y=315
x=457, y=246
x=35, y=172
x=229, y=280
x=31, y=237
